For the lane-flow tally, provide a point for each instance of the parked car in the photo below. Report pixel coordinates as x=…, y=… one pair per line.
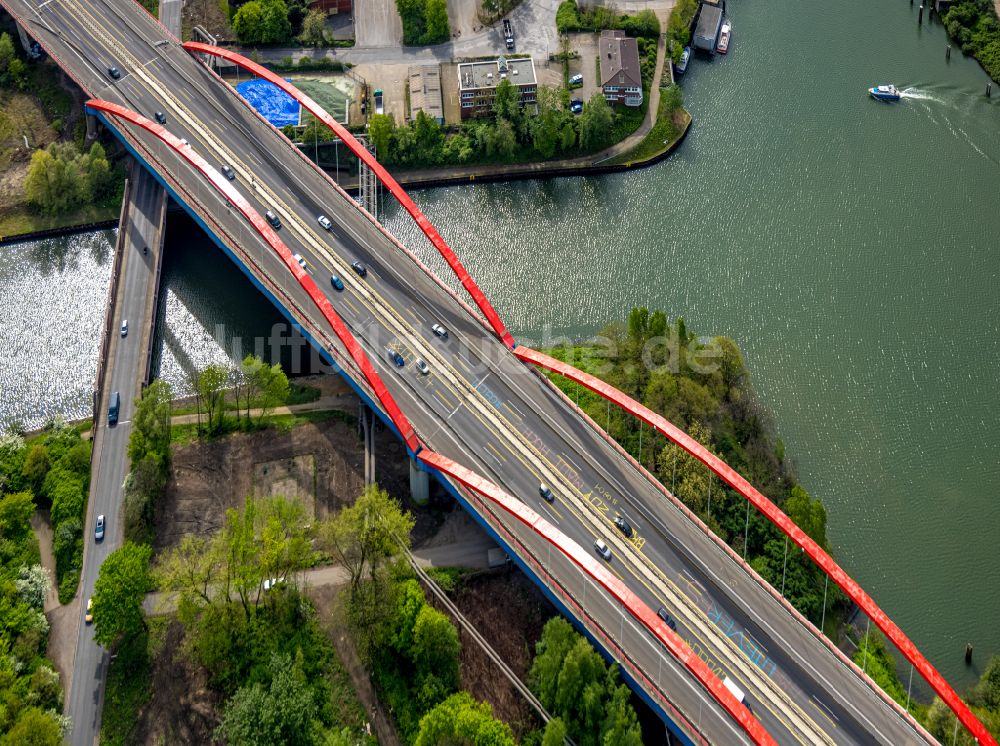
x=360, y=268
x=89, y=616
x=546, y=493
x=422, y=367
x=99, y=528
x=667, y=619
x=575, y=81
x=440, y=331
x=324, y=221
x=228, y=172
x=576, y=106
x=114, y=72
x=622, y=525
x=160, y=117
x=271, y=582
x=602, y=549
x=337, y=283
x=124, y=327
x=396, y=358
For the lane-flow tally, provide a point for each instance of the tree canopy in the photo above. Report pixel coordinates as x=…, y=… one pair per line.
x=119, y=591
x=462, y=720
x=262, y=22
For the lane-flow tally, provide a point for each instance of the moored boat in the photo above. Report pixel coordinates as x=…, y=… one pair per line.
x=682, y=66
x=885, y=92
x=724, y=34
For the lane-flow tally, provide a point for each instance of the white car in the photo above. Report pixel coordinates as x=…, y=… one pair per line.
x=302, y=262
x=422, y=367
x=185, y=142
x=440, y=331
x=124, y=327
x=270, y=583
x=602, y=549
x=324, y=221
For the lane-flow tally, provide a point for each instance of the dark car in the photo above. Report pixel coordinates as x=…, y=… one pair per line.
x=114, y=72
x=576, y=106
x=228, y=172
x=396, y=358
x=337, y=283
x=361, y=269
x=160, y=117
x=624, y=526
x=272, y=219
x=546, y=493
x=667, y=619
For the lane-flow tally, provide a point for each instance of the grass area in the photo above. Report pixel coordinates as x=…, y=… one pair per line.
x=661, y=138
x=449, y=578
x=182, y=435
x=19, y=219
x=297, y=394
x=327, y=95
x=128, y=685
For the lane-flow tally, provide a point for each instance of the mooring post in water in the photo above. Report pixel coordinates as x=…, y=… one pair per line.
x=920, y=15
x=968, y=653
x=947, y=52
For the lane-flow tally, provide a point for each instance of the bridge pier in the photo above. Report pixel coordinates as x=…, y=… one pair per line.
x=25, y=39
x=91, y=127
x=420, y=488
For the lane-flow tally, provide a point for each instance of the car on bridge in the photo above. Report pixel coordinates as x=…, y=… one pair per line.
x=667, y=619
x=624, y=526
x=422, y=367
x=361, y=269
x=228, y=172
x=546, y=493
x=114, y=72
x=396, y=358
x=440, y=331
x=160, y=117
x=324, y=222
x=124, y=327
x=272, y=219
x=301, y=261
x=602, y=549
x=99, y=528
x=337, y=283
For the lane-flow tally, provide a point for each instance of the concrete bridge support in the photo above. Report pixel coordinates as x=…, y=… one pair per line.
x=420, y=486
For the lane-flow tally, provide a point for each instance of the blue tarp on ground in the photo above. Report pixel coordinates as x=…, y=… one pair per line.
x=274, y=104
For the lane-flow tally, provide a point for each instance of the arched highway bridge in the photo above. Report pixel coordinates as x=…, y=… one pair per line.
x=484, y=422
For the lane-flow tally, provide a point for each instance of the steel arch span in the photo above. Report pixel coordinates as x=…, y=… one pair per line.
x=599, y=573
x=785, y=524
x=673, y=433
x=266, y=232
x=384, y=176
x=638, y=609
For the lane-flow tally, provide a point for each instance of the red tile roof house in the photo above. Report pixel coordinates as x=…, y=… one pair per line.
x=621, y=76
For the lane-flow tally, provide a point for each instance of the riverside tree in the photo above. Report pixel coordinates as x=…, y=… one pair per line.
x=119, y=591
x=595, y=122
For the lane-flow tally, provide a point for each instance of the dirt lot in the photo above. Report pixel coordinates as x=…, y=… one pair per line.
x=377, y=24
x=321, y=462
x=392, y=78
x=209, y=15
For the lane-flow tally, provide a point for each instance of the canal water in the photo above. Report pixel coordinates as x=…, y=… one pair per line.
x=849, y=246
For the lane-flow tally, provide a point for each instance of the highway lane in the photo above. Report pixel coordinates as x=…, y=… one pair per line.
x=403, y=288
x=111, y=444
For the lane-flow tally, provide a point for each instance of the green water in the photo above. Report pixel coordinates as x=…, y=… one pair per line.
x=850, y=247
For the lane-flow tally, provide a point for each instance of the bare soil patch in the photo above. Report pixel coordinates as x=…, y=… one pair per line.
x=183, y=710
x=208, y=14
x=321, y=461
x=485, y=600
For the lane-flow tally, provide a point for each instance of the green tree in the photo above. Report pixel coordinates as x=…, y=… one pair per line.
x=429, y=138
x=547, y=124
x=15, y=513
x=621, y=724
x=435, y=655
x=314, y=28
x=144, y=485
x=36, y=465
x=595, y=123
x=34, y=727
x=436, y=22
x=271, y=383
x=555, y=733
x=808, y=514
x=412, y=14
x=380, y=131
x=262, y=22
x=462, y=720
x=280, y=713
x=54, y=183
x=151, y=423
x=504, y=138
x=119, y=591
x=507, y=101
x=209, y=386
x=7, y=52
